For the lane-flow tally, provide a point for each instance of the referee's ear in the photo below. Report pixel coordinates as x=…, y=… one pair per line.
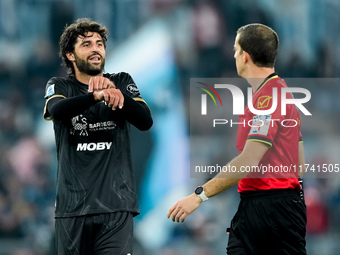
x=246, y=57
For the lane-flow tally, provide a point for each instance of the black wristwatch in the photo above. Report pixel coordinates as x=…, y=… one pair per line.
x=199, y=191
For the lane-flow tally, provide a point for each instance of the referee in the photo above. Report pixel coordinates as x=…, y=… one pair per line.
x=92, y=111
x=271, y=217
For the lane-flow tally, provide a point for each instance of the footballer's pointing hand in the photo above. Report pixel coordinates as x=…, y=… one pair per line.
x=100, y=83
x=184, y=207
x=113, y=97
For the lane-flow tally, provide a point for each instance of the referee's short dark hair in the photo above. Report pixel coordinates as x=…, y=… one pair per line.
x=260, y=42
x=69, y=38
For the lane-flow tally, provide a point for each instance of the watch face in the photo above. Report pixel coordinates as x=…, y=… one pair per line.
x=198, y=190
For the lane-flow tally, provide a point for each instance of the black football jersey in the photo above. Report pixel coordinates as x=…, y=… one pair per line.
x=95, y=172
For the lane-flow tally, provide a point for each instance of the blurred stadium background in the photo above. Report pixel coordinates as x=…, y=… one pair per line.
x=162, y=44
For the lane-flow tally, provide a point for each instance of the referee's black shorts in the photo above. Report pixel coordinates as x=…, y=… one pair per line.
x=99, y=234
x=269, y=222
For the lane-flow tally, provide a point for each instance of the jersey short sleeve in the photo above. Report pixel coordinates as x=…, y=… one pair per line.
x=55, y=87
x=264, y=127
x=127, y=86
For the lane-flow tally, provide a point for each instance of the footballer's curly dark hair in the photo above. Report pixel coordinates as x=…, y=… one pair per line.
x=69, y=38
x=260, y=42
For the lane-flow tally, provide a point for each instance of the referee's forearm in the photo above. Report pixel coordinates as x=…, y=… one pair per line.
x=251, y=155
x=217, y=185
x=225, y=180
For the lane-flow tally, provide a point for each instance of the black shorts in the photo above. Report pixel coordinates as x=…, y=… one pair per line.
x=269, y=222
x=108, y=233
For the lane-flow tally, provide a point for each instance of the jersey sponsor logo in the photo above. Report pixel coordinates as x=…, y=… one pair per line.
x=263, y=102
x=81, y=126
x=132, y=88
x=105, y=125
x=50, y=91
x=94, y=146
x=260, y=125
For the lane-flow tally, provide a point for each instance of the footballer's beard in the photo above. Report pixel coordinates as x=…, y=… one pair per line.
x=85, y=67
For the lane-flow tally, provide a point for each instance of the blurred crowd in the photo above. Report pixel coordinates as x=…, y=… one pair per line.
x=202, y=33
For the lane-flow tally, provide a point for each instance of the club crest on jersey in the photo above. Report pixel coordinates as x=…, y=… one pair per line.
x=132, y=88
x=50, y=91
x=79, y=124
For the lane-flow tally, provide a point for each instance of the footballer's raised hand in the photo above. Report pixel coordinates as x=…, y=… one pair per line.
x=113, y=97
x=100, y=83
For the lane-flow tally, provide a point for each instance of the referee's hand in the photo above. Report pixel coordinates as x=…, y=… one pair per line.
x=184, y=207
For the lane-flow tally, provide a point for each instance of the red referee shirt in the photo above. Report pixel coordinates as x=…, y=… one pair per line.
x=278, y=168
